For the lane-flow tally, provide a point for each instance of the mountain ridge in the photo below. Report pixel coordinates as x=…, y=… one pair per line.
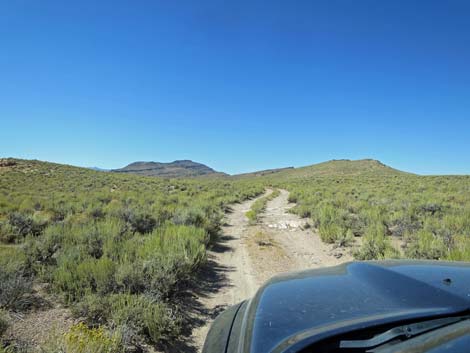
x=189, y=169
x=175, y=169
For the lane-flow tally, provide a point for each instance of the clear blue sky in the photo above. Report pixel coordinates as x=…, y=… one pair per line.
x=238, y=85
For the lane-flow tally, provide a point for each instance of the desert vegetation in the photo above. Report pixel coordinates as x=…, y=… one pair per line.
x=429, y=216
x=121, y=250
x=117, y=249
x=259, y=206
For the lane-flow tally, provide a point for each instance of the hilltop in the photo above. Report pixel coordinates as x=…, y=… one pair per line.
x=176, y=169
x=345, y=167
x=339, y=167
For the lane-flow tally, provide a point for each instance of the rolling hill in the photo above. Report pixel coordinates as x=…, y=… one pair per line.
x=333, y=168
x=345, y=167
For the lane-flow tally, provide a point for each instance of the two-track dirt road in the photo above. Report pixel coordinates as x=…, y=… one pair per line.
x=247, y=255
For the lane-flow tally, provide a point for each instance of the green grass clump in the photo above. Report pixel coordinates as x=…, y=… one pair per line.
x=376, y=245
x=426, y=245
x=3, y=321
x=15, y=285
x=132, y=313
x=258, y=207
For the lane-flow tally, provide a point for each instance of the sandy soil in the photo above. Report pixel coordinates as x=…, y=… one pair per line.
x=252, y=254
x=236, y=276
x=46, y=320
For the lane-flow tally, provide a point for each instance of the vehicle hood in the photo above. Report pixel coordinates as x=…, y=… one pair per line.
x=293, y=311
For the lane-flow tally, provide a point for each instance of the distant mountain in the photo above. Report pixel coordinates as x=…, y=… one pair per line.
x=176, y=169
x=97, y=169
x=264, y=172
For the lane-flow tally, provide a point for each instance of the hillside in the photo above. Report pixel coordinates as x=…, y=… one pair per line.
x=115, y=250
x=176, y=169
x=349, y=167
x=333, y=168
x=114, y=247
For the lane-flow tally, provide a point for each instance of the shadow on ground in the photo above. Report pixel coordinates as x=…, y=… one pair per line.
x=211, y=278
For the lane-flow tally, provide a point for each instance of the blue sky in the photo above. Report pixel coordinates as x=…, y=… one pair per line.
x=238, y=85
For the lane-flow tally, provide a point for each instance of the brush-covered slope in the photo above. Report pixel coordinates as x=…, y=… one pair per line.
x=103, y=242
x=176, y=169
x=343, y=167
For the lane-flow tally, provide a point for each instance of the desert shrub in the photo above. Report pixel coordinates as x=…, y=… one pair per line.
x=457, y=222
x=376, y=245
x=108, y=290
x=160, y=324
x=20, y=225
x=461, y=249
x=328, y=214
x=431, y=208
x=192, y=216
x=113, y=208
x=138, y=314
x=202, y=216
x=15, y=285
x=102, y=272
x=7, y=233
x=96, y=213
x=356, y=223
x=77, y=278
x=130, y=278
x=81, y=339
x=401, y=226
x=142, y=223
x=330, y=232
x=24, y=224
x=170, y=255
x=96, y=309
x=41, y=253
x=252, y=216
x=292, y=198
x=303, y=211
x=94, y=244
x=151, y=319
x=425, y=245
x=345, y=238
x=4, y=318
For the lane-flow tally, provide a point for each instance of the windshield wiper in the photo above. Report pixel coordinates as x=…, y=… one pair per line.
x=402, y=331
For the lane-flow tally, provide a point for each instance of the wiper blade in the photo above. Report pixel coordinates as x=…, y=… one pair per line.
x=400, y=331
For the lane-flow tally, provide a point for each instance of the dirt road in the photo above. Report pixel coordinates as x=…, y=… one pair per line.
x=234, y=271
x=247, y=255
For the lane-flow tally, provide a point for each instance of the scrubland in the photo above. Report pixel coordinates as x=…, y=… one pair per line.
x=119, y=250
x=429, y=216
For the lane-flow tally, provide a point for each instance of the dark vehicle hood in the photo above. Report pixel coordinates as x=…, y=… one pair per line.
x=294, y=311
